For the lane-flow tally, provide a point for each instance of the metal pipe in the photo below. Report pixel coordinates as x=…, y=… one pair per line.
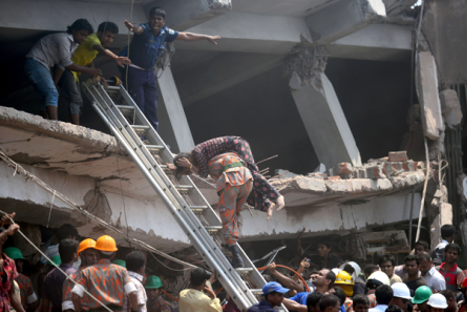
x=411, y=218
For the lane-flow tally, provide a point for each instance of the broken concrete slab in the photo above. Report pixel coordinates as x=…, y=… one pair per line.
x=398, y=156
x=451, y=108
x=427, y=87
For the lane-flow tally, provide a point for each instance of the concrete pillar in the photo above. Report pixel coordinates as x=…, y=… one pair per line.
x=428, y=95
x=324, y=121
x=174, y=127
x=342, y=18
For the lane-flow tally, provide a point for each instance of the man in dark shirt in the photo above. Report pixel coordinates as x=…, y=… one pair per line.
x=273, y=294
x=145, y=49
x=53, y=282
x=325, y=258
x=412, y=279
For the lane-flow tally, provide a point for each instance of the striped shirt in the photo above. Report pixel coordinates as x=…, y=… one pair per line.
x=106, y=281
x=450, y=276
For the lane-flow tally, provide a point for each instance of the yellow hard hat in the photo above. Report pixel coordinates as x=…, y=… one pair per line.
x=343, y=278
x=86, y=244
x=106, y=243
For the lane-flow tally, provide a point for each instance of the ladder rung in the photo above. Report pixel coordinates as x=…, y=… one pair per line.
x=139, y=128
x=213, y=228
x=183, y=187
x=199, y=208
x=244, y=270
x=256, y=291
x=155, y=148
x=112, y=88
x=125, y=107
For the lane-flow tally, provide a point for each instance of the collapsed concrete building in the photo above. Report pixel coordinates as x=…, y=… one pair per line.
x=323, y=83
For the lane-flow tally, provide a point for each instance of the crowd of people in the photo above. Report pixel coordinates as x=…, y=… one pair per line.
x=87, y=277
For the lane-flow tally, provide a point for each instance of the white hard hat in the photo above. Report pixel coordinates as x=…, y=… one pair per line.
x=380, y=277
x=437, y=301
x=355, y=266
x=401, y=291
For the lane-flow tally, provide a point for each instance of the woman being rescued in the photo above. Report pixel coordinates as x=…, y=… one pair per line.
x=229, y=161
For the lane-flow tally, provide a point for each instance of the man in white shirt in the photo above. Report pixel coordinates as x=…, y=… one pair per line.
x=432, y=277
x=136, y=265
x=384, y=295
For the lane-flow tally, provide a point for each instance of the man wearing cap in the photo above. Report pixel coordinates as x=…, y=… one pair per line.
x=375, y=280
x=384, y=295
x=194, y=299
x=106, y=281
x=448, y=233
x=53, y=282
x=273, y=294
x=156, y=302
x=88, y=256
x=422, y=294
x=28, y=296
x=401, y=295
x=436, y=303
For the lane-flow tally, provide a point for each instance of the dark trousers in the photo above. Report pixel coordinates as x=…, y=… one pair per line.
x=143, y=89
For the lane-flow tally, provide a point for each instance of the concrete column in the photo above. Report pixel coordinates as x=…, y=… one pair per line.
x=174, y=127
x=320, y=111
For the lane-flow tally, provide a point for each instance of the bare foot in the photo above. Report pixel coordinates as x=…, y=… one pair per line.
x=280, y=203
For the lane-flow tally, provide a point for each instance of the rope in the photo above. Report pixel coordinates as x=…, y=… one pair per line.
x=56, y=266
x=128, y=50
x=85, y=213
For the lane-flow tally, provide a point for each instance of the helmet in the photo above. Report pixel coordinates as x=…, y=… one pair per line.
x=343, y=278
x=153, y=282
x=56, y=259
x=462, y=284
x=13, y=253
x=355, y=266
x=120, y=262
x=379, y=277
x=401, y=291
x=437, y=301
x=86, y=244
x=422, y=294
x=106, y=243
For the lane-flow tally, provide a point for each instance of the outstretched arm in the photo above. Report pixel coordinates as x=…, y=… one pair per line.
x=188, y=36
x=136, y=29
x=284, y=280
x=121, y=60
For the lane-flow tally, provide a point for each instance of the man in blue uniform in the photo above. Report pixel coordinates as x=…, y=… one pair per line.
x=146, y=47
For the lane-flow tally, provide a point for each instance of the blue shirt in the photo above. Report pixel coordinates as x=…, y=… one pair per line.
x=300, y=297
x=146, y=48
x=262, y=306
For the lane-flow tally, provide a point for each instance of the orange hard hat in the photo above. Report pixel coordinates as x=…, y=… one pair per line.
x=86, y=244
x=106, y=243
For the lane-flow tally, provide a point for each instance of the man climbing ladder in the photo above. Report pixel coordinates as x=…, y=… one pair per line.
x=229, y=161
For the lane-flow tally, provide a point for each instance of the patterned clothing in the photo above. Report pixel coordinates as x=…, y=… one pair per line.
x=372, y=297
x=28, y=295
x=105, y=281
x=234, y=176
x=159, y=305
x=7, y=275
x=137, y=279
x=67, y=303
x=450, y=276
x=264, y=192
x=348, y=304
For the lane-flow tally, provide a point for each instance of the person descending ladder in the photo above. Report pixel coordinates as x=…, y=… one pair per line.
x=190, y=209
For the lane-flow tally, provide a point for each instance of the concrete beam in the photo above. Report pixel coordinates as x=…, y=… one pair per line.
x=221, y=72
x=175, y=131
x=428, y=95
x=343, y=18
x=56, y=15
x=325, y=122
x=182, y=14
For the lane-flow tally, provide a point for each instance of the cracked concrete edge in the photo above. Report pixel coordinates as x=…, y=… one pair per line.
x=319, y=186
x=82, y=136
x=220, y=5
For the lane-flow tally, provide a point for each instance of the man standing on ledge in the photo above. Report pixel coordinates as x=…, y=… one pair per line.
x=145, y=48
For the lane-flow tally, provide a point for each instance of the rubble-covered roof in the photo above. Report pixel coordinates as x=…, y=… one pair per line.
x=349, y=185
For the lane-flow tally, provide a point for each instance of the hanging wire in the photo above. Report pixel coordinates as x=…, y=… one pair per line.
x=128, y=49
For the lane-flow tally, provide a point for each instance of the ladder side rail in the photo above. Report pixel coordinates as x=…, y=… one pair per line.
x=210, y=215
x=188, y=229
x=208, y=240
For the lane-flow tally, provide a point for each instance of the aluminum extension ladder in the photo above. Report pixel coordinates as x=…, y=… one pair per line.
x=188, y=206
